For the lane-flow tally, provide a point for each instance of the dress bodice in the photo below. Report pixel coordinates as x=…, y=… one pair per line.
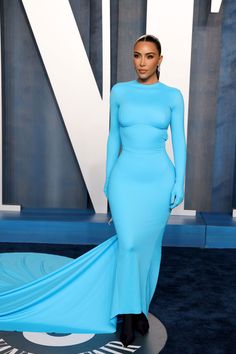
x=140, y=115
x=144, y=114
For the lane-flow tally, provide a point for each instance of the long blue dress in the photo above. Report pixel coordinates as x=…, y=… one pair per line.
x=49, y=293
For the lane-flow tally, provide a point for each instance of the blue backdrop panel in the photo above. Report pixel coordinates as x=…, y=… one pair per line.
x=223, y=194
x=40, y=168
x=202, y=105
x=210, y=176
x=88, y=17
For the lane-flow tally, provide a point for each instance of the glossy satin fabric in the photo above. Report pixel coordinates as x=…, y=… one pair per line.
x=49, y=293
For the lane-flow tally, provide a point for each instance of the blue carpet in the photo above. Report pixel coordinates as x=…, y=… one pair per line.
x=194, y=298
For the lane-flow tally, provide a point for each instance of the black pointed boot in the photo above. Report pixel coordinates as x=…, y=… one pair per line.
x=141, y=323
x=127, y=335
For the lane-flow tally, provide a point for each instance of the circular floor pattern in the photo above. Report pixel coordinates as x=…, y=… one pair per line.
x=49, y=343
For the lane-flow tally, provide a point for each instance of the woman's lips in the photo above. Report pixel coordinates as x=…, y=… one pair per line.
x=142, y=71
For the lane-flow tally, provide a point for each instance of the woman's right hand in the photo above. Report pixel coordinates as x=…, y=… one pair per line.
x=177, y=195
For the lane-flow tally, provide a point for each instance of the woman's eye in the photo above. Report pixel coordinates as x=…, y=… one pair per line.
x=150, y=56
x=135, y=55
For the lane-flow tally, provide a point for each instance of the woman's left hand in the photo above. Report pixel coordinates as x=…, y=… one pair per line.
x=177, y=196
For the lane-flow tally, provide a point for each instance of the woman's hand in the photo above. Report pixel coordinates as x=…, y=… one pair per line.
x=177, y=196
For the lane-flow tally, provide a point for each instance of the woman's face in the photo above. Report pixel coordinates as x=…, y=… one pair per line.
x=146, y=59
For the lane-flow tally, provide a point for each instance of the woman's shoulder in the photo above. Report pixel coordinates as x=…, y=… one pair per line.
x=174, y=93
x=119, y=89
x=175, y=96
x=121, y=84
x=172, y=89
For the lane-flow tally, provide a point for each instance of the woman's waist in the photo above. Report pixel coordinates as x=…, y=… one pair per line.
x=142, y=164
x=145, y=150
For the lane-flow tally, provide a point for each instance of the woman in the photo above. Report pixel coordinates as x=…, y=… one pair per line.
x=142, y=185
x=47, y=293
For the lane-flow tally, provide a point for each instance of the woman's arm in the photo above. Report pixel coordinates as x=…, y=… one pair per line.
x=179, y=148
x=114, y=141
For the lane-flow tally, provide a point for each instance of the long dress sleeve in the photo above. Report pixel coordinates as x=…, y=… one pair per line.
x=178, y=138
x=114, y=141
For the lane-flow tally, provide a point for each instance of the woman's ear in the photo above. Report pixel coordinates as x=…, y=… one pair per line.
x=160, y=60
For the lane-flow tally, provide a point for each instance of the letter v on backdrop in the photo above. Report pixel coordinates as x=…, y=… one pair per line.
x=85, y=113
